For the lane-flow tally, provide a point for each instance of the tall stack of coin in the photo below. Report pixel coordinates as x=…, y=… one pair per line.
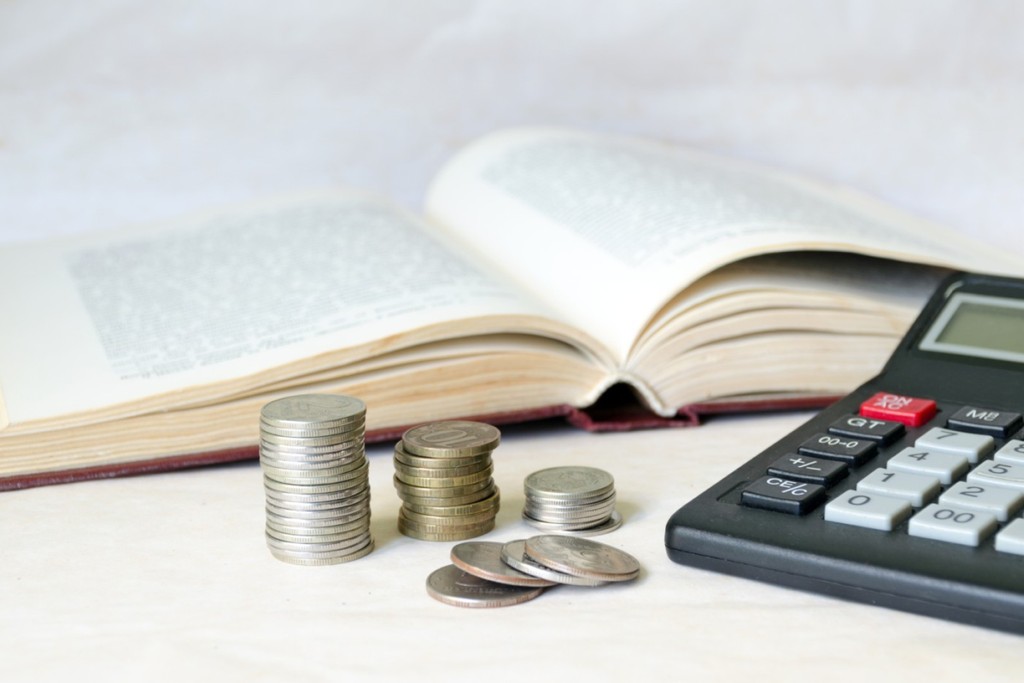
x=315, y=476
x=571, y=500
x=443, y=476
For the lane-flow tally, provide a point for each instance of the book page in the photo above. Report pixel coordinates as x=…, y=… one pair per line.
x=608, y=230
x=110, y=318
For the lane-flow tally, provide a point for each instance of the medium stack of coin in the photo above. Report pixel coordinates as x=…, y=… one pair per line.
x=315, y=476
x=571, y=500
x=443, y=476
x=486, y=574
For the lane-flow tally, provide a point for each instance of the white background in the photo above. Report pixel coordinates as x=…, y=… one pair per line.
x=120, y=111
x=117, y=112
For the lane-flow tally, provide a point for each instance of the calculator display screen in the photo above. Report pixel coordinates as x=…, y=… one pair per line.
x=980, y=326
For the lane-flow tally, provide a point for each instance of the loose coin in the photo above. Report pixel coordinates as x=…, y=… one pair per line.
x=582, y=557
x=453, y=586
x=483, y=559
x=514, y=554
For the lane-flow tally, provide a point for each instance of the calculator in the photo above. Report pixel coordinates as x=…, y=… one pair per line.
x=908, y=493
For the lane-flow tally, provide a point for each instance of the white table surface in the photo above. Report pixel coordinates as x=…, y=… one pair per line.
x=122, y=111
x=169, y=577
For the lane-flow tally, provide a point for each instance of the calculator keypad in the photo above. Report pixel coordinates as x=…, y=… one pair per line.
x=947, y=481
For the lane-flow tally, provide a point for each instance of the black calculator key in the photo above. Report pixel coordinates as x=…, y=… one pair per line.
x=997, y=423
x=809, y=469
x=882, y=431
x=783, y=495
x=843, y=448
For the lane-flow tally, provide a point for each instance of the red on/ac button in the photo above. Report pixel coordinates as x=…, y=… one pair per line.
x=911, y=411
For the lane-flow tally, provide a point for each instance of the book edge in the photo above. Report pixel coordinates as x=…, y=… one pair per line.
x=632, y=418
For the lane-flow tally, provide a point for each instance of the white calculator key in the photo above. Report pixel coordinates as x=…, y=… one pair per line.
x=1013, y=452
x=916, y=489
x=867, y=510
x=1011, y=539
x=974, y=447
x=995, y=500
x=952, y=525
x=947, y=467
x=1006, y=474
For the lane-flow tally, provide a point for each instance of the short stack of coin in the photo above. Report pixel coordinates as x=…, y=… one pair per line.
x=443, y=476
x=315, y=476
x=571, y=500
x=486, y=574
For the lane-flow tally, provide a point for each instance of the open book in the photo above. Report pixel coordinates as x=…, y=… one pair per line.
x=550, y=266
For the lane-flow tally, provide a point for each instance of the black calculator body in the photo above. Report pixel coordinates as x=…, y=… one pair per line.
x=909, y=492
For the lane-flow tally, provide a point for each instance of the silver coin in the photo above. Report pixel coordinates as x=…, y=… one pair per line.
x=321, y=518
x=314, y=429
x=339, y=537
x=443, y=533
x=568, y=483
x=313, y=547
x=293, y=485
x=301, y=410
x=562, y=526
x=607, y=499
x=611, y=524
x=491, y=502
x=453, y=439
x=514, y=554
x=338, y=475
x=318, y=533
x=350, y=516
x=453, y=586
x=481, y=524
x=407, y=471
x=420, y=461
x=483, y=559
x=312, y=467
x=314, y=559
x=449, y=520
x=308, y=452
x=288, y=508
x=466, y=499
x=333, y=496
x=580, y=522
x=276, y=535
x=445, y=482
x=448, y=492
x=336, y=441
x=317, y=469
x=582, y=557
x=569, y=514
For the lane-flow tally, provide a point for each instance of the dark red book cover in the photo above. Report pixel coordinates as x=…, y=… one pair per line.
x=616, y=411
